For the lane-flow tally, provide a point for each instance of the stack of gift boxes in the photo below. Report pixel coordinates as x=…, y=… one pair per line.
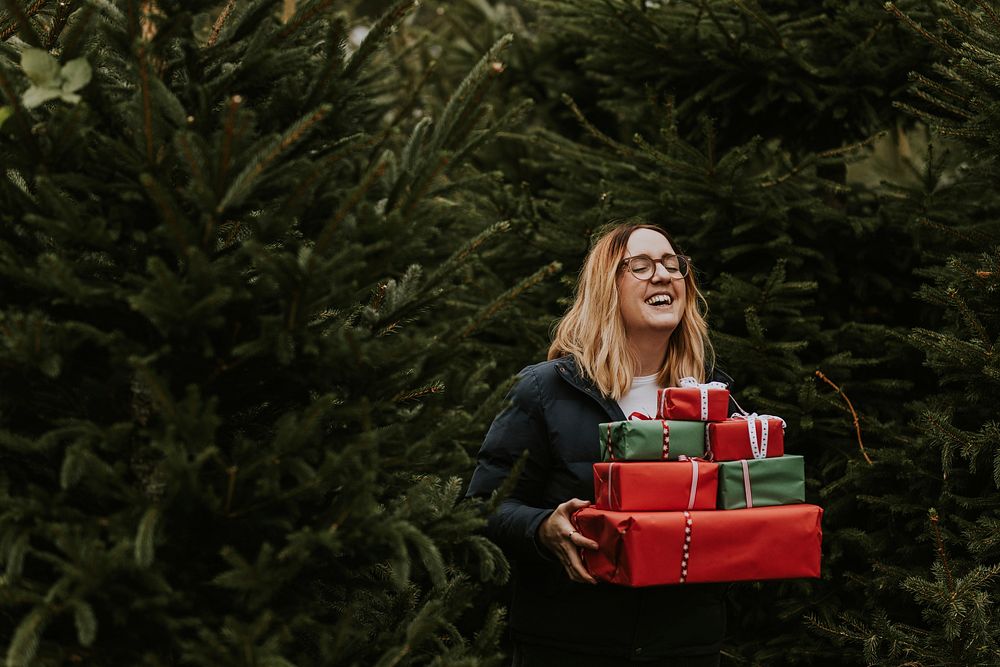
x=696, y=496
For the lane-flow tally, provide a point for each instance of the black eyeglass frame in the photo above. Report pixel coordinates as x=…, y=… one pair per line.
x=626, y=264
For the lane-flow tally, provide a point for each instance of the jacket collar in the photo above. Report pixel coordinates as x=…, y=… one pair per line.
x=567, y=369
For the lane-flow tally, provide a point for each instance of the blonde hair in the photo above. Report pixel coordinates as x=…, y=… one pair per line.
x=593, y=331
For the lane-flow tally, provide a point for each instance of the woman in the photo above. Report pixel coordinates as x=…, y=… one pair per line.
x=635, y=325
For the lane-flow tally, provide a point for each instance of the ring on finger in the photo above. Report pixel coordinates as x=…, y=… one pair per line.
x=569, y=535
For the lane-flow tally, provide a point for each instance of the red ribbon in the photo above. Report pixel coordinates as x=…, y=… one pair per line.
x=642, y=416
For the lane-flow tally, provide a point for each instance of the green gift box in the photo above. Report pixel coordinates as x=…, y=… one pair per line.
x=652, y=440
x=761, y=482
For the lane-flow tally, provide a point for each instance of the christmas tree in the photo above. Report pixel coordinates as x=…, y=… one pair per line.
x=943, y=571
x=247, y=263
x=762, y=136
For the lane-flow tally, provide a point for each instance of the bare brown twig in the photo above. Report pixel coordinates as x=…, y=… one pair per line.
x=854, y=414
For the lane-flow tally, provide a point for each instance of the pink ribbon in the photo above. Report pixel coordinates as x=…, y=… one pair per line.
x=694, y=479
x=611, y=468
x=746, y=483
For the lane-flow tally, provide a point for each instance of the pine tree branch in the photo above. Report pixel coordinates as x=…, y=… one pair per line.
x=78, y=30
x=733, y=45
x=147, y=102
x=757, y=15
x=22, y=22
x=228, y=135
x=230, y=488
x=970, y=317
x=920, y=30
x=167, y=212
x=59, y=21
x=854, y=415
x=293, y=27
x=988, y=9
x=508, y=297
x=619, y=148
x=942, y=554
x=375, y=36
x=245, y=181
x=969, y=236
x=344, y=147
x=219, y=22
x=20, y=113
x=331, y=226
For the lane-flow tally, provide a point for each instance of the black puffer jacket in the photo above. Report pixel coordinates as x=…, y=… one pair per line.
x=554, y=413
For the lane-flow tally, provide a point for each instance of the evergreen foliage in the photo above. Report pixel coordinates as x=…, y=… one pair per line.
x=948, y=581
x=268, y=268
x=766, y=138
x=244, y=268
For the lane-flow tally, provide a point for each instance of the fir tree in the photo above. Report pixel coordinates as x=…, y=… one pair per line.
x=945, y=578
x=744, y=130
x=247, y=264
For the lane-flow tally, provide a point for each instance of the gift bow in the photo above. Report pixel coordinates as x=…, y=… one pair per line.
x=759, y=452
x=691, y=383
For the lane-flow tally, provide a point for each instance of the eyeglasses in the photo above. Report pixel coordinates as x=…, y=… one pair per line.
x=643, y=267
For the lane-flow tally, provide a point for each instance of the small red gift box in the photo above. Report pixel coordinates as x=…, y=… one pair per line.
x=656, y=548
x=692, y=401
x=748, y=437
x=656, y=486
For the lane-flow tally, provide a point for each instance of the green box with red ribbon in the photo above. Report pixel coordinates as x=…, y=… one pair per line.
x=652, y=440
x=762, y=482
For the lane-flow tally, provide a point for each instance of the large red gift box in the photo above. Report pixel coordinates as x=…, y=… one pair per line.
x=693, y=402
x=731, y=440
x=656, y=486
x=655, y=548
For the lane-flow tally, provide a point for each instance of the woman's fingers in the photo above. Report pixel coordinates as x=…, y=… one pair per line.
x=561, y=538
x=582, y=542
x=576, y=568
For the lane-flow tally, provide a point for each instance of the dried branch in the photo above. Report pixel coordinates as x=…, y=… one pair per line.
x=854, y=414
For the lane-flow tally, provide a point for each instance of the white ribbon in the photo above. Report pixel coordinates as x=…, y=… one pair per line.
x=759, y=452
x=691, y=383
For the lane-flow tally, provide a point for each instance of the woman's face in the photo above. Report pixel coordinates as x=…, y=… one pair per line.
x=654, y=306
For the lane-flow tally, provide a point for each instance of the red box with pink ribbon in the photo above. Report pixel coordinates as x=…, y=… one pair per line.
x=656, y=486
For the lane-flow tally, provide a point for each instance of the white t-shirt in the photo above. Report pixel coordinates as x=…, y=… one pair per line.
x=641, y=397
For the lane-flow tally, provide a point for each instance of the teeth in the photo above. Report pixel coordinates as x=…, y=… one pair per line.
x=660, y=299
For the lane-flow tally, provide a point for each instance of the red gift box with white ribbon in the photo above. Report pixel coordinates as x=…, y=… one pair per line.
x=656, y=548
x=656, y=486
x=750, y=436
x=691, y=401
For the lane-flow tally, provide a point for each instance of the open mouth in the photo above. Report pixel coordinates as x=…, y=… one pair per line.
x=660, y=300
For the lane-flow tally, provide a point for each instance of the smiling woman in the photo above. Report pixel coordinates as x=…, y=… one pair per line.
x=651, y=305
x=636, y=324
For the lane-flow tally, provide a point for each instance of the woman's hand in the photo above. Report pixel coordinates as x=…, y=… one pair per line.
x=561, y=538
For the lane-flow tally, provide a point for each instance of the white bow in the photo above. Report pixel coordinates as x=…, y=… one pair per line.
x=752, y=419
x=691, y=383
